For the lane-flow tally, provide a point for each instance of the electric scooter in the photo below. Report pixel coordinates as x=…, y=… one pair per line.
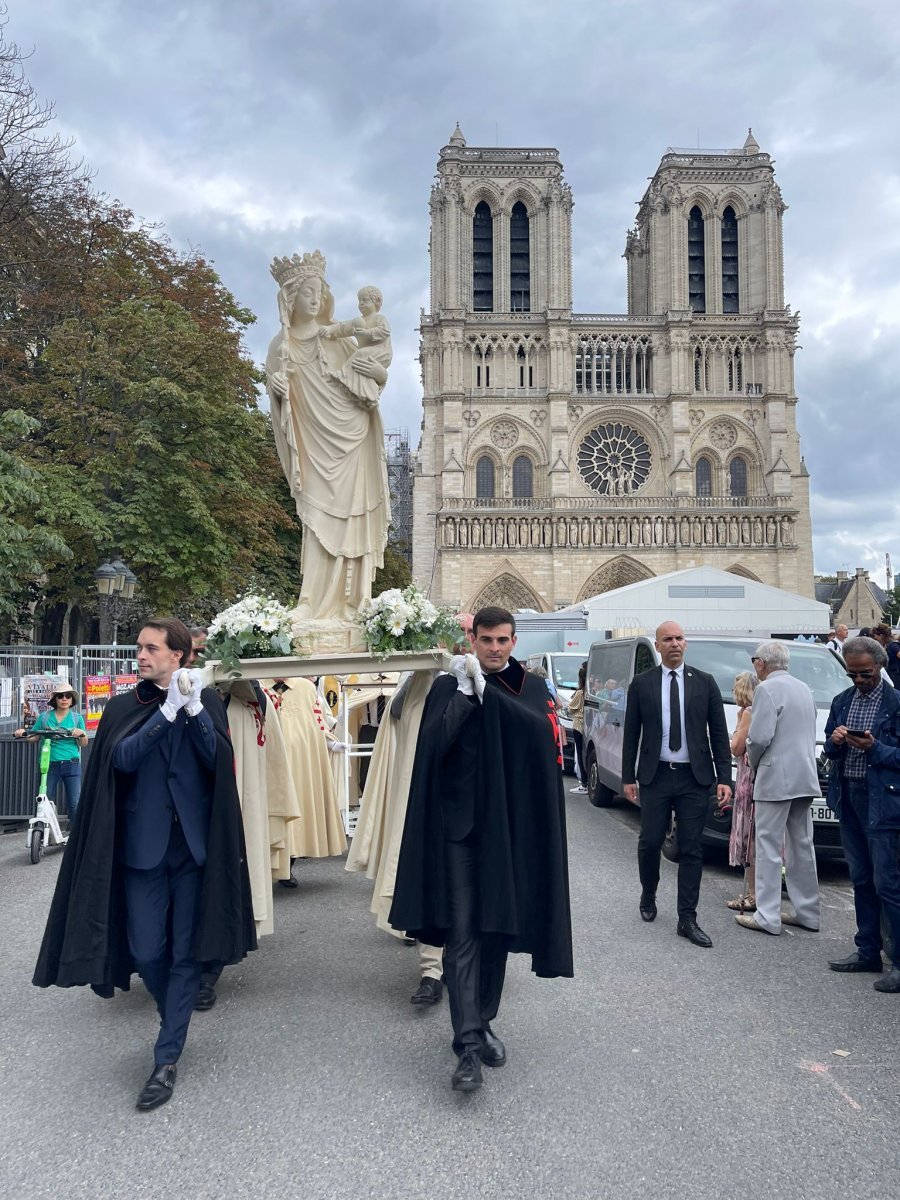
x=43, y=828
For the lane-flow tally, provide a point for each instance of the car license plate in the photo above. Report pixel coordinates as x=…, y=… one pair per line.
x=821, y=812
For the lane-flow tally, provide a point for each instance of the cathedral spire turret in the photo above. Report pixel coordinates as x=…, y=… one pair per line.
x=751, y=145
x=456, y=137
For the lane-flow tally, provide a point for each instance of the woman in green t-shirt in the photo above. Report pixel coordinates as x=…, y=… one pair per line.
x=65, y=753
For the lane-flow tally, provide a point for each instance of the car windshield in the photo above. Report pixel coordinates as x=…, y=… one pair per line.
x=565, y=670
x=815, y=665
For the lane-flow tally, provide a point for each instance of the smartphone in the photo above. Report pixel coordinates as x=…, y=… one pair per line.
x=857, y=732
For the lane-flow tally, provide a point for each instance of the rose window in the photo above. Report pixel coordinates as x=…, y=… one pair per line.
x=614, y=460
x=504, y=434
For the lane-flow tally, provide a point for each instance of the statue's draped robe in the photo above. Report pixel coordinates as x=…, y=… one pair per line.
x=332, y=452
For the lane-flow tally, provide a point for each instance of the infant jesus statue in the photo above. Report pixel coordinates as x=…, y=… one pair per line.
x=373, y=340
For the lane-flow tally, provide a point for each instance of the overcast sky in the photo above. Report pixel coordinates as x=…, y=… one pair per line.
x=252, y=128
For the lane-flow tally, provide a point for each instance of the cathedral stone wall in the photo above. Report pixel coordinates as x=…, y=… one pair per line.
x=563, y=454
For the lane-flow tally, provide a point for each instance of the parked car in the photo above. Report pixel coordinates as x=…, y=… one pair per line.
x=562, y=671
x=613, y=664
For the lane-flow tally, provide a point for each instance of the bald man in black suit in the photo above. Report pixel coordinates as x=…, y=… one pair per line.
x=675, y=713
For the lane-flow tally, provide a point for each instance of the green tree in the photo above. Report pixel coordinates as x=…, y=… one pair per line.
x=394, y=574
x=151, y=443
x=28, y=546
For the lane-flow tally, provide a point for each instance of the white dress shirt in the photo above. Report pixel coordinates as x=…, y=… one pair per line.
x=665, y=754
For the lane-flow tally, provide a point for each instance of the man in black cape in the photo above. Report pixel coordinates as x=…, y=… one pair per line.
x=483, y=866
x=154, y=876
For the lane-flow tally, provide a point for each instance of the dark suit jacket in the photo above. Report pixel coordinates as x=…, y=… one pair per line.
x=166, y=768
x=705, y=728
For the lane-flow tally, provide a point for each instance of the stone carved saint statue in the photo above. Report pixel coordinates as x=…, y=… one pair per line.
x=324, y=390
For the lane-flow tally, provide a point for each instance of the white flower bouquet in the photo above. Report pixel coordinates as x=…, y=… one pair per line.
x=255, y=627
x=406, y=620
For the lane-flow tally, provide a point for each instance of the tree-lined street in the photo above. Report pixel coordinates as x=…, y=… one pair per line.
x=661, y=1069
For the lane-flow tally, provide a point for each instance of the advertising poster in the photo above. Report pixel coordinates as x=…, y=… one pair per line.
x=124, y=683
x=97, y=690
x=6, y=698
x=36, y=693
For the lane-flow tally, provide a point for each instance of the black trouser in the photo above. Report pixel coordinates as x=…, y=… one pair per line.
x=673, y=788
x=162, y=907
x=474, y=962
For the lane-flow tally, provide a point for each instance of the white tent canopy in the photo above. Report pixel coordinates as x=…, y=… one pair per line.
x=703, y=600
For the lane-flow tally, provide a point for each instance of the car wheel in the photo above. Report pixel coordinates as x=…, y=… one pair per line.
x=670, y=842
x=599, y=794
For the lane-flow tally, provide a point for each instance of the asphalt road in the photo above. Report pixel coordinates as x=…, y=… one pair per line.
x=661, y=1070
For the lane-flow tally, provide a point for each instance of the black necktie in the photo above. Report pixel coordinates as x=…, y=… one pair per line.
x=674, y=714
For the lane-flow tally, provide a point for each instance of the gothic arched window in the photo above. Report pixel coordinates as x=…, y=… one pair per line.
x=737, y=473
x=519, y=260
x=483, y=259
x=696, y=261
x=703, y=477
x=523, y=477
x=730, y=302
x=484, y=478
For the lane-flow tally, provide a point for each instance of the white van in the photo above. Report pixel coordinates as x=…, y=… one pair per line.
x=613, y=664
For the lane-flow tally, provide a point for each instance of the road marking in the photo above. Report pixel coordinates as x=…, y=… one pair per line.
x=824, y=1072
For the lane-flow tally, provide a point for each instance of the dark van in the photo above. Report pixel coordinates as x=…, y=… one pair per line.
x=613, y=664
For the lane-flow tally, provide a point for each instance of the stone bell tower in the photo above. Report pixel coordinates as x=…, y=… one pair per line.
x=564, y=454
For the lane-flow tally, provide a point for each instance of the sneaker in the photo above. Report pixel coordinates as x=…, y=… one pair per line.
x=581, y=790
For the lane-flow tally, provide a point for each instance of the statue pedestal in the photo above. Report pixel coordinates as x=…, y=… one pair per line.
x=350, y=662
x=327, y=636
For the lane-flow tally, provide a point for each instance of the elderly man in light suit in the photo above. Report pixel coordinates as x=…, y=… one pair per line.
x=781, y=746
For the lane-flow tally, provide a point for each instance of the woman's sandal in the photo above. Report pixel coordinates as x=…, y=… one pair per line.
x=742, y=903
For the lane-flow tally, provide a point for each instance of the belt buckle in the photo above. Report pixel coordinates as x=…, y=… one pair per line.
x=673, y=766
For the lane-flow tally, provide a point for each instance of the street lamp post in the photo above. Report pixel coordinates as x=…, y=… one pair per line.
x=115, y=584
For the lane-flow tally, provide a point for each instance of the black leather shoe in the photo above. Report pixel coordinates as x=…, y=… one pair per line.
x=493, y=1052
x=206, y=998
x=648, y=907
x=429, y=991
x=889, y=982
x=158, y=1088
x=857, y=963
x=692, y=931
x=467, y=1077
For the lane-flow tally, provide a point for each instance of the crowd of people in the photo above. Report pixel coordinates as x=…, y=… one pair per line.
x=196, y=800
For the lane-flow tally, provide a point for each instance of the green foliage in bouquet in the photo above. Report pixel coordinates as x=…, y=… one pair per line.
x=255, y=627
x=406, y=620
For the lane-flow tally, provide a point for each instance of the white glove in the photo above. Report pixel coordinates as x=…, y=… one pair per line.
x=337, y=747
x=473, y=667
x=194, y=703
x=176, y=698
x=458, y=669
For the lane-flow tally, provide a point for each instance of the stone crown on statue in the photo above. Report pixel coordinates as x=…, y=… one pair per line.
x=285, y=270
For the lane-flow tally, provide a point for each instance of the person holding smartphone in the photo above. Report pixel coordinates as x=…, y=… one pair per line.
x=65, y=752
x=863, y=744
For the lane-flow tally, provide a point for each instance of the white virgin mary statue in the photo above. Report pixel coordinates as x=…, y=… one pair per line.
x=331, y=446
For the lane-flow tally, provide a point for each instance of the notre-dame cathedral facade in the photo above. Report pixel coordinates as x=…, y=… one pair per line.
x=564, y=454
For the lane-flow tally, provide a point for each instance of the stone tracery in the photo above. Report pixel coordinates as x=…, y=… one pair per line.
x=614, y=459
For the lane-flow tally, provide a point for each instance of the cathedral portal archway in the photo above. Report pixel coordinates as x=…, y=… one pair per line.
x=507, y=589
x=737, y=569
x=616, y=573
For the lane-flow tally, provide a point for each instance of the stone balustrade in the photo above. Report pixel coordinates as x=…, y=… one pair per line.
x=738, y=530
x=663, y=505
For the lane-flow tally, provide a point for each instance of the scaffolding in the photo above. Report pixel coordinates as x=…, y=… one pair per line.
x=399, y=472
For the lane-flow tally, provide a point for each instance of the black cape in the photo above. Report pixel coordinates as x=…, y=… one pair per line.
x=520, y=823
x=85, y=941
